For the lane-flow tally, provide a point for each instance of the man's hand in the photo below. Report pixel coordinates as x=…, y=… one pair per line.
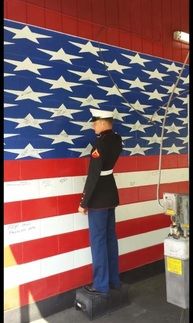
x=82, y=210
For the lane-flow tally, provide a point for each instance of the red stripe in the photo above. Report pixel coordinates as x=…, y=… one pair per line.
x=40, y=208
x=146, y=193
x=141, y=257
x=15, y=170
x=34, y=249
x=142, y=225
x=47, y=168
x=53, y=206
x=56, y=284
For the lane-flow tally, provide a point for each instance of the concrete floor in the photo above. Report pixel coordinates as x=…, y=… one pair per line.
x=147, y=304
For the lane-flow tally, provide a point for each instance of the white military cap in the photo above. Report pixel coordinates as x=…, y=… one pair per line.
x=101, y=114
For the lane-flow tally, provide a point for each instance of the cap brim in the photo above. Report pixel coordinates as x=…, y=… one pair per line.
x=93, y=119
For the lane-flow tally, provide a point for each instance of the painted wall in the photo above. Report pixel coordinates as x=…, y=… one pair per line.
x=145, y=26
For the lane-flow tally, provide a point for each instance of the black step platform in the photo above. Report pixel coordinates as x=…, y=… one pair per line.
x=97, y=305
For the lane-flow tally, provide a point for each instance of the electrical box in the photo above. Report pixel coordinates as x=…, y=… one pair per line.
x=177, y=206
x=176, y=254
x=176, y=249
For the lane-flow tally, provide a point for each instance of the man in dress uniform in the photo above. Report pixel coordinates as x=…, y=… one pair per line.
x=99, y=199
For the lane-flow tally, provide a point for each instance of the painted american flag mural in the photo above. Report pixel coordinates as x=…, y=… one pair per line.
x=51, y=81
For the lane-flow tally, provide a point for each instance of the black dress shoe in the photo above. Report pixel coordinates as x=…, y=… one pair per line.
x=94, y=291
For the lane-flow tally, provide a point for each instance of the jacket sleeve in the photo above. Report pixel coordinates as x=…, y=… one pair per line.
x=94, y=171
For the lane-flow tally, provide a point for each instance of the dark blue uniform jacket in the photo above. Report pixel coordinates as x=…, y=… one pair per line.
x=101, y=191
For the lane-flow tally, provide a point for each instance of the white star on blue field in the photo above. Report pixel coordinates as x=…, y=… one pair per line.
x=52, y=80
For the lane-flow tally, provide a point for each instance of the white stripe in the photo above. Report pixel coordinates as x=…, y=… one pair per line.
x=41, y=188
x=138, y=210
x=144, y=178
x=20, y=274
x=143, y=240
x=46, y=227
x=24, y=273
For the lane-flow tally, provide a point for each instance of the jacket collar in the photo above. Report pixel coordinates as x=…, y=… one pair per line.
x=106, y=131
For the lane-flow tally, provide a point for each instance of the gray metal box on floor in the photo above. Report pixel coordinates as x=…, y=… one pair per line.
x=176, y=253
x=97, y=305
